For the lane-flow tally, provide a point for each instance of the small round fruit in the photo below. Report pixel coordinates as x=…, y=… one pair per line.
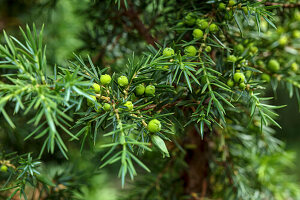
x=222, y=6
x=3, y=168
x=129, y=105
x=239, y=77
x=245, y=9
x=283, y=40
x=106, y=106
x=230, y=83
x=90, y=102
x=294, y=67
x=140, y=89
x=154, y=126
x=297, y=15
x=123, y=81
x=261, y=63
x=96, y=87
x=190, y=51
x=231, y=3
x=253, y=49
x=213, y=28
x=197, y=33
x=202, y=23
x=296, y=34
x=150, y=90
x=105, y=79
x=168, y=52
x=189, y=19
x=248, y=74
x=242, y=86
x=273, y=65
x=208, y=49
x=98, y=108
x=266, y=77
x=239, y=48
x=231, y=58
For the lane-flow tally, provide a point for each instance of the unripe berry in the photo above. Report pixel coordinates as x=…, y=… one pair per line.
x=231, y=58
x=239, y=48
x=239, y=77
x=261, y=63
x=140, y=89
x=150, y=90
x=296, y=34
x=197, y=33
x=242, y=86
x=98, y=108
x=168, y=52
x=154, y=126
x=3, y=168
x=213, y=28
x=105, y=79
x=273, y=65
x=208, y=49
x=231, y=3
x=230, y=83
x=123, y=81
x=106, y=106
x=202, y=23
x=266, y=77
x=283, y=40
x=96, y=87
x=248, y=74
x=90, y=102
x=190, y=51
x=189, y=19
x=294, y=67
x=253, y=49
x=297, y=15
x=222, y=6
x=129, y=105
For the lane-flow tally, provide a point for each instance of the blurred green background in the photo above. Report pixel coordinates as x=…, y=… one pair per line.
x=66, y=24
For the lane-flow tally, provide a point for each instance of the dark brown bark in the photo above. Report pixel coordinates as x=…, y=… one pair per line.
x=196, y=175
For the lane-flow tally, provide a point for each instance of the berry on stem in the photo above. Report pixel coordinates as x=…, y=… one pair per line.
x=96, y=87
x=230, y=83
x=168, y=52
x=190, y=51
x=208, y=49
x=213, y=28
x=273, y=65
x=106, y=106
x=242, y=86
x=231, y=58
x=154, y=126
x=123, y=81
x=3, y=168
x=129, y=105
x=140, y=89
x=266, y=77
x=202, y=23
x=90, y=102
x=189, y=19
x=294, y=67
x=197, y=33
x=239, y=77
x=105, y=79
x=150, y=90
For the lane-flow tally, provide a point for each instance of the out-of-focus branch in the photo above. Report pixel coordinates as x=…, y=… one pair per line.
x=137, y=23
x=283, y=5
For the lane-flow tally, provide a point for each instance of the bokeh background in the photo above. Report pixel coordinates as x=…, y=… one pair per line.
x=71, y=27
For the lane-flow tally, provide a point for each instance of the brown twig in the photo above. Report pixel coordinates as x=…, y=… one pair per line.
x=283, y=5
